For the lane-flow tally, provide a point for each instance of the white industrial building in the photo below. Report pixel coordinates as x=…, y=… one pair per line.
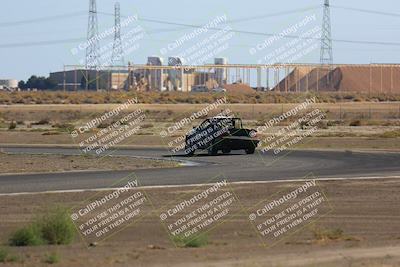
x=221, y=74
x=175, y=75
x=8, y=84
x=155, y=77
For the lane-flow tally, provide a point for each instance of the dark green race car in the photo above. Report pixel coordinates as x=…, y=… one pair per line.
x=221, y=134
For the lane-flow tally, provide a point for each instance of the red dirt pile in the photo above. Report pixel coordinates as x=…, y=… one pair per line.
x=385, y=79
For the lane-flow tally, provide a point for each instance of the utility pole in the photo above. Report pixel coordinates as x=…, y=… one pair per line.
x=326, y=36
x=117, y=55
x=92, y=51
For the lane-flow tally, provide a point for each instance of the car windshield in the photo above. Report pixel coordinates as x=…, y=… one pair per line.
x=238, y=123
x=231, y=123
x=225, y=122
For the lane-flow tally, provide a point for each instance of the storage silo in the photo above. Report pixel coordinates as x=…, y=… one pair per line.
x=221, y=73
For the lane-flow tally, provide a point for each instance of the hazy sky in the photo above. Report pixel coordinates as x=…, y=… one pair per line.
x=21, y=55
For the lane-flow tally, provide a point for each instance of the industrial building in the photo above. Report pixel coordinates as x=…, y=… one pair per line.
x=221, y=75
x=154, y=76
x=8, y=84
x=175, y=74
x=83, y=79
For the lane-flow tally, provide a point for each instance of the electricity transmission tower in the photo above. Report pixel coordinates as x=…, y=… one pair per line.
x=326, y=36
x=117, y=58
x=92, y=52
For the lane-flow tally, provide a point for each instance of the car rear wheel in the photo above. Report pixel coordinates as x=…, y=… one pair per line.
x=226, y=150
x=190, y=153
x=250, y=150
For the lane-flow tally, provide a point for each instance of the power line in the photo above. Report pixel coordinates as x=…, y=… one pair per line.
x=367, y=11
x=265, y=34
x=185, y=25
x=42, y=43
x=43, y=19
x=244, y=19
x=73, y=40
x=270, y=15
x=82, y=13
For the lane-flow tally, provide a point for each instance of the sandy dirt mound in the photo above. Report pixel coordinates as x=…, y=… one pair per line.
x=292, y=83
x=239, y=88
x=383, y=79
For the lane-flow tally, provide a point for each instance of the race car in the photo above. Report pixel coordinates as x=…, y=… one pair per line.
x=221, y=134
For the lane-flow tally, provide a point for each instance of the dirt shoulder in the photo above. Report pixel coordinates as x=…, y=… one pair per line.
x=360, y=125
x=27, y=163
x=365, y=212
x=334, y=142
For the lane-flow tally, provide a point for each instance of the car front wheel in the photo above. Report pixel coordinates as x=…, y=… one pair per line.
x=226, y=150
x=250, y=150
x=212, y=151
x=189, y=151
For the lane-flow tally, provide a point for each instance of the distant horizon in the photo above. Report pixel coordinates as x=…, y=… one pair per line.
x=45, y=35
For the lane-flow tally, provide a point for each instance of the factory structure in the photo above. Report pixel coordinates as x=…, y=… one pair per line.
x=241, y=78
x=154, y=76
x=8, y=85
